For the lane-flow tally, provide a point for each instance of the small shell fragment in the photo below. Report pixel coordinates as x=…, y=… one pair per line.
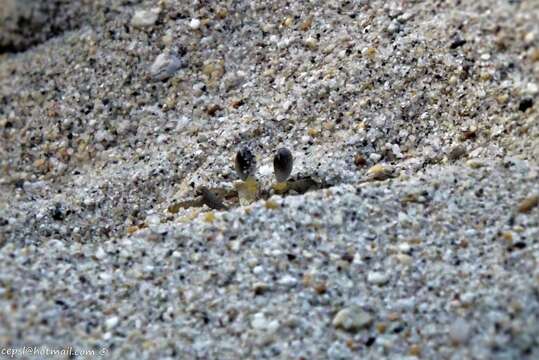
x=164, y=66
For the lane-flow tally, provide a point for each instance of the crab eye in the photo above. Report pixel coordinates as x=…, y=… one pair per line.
x=283, y=162
x=245, y=163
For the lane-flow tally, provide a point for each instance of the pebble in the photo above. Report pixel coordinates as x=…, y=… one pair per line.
x=415, y=351
x=528, y=204
x=456, y=152
x=194, y=24
x=405, y=247
x=404, y=259
x=393, y=27
x=375, y=157
x=406, y=304
x=352, y=319
x=260, y=322
x=165, y=66
x=100, y=253
x=260, y=288
x=459, y=331
x=258, y=270
x=153, y=220
x=339, y=351
x=380, y=172
x=111, y=323
x=311, y=43
x=532, y=89
x=474, y=163
x=288, y=280
x=145, y=18
x=377, y=277
x=359, y=160
x=525, y=104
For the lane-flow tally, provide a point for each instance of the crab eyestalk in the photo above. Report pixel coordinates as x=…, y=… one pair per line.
x=245, y=163
x=283, y=162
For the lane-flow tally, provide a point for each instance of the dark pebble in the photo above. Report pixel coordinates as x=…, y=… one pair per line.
x=456, y=152
x=19, y=184
x=348, y=257
x=525, y=104
x=457, y=42
x=57, y=213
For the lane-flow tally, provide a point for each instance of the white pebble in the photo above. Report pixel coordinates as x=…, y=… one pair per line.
x=339, y=351
x=396, y=150
x=194, y=24
x=100, y=253
x=260, y=322
x=338, y=218
x=529, y=37
x=405, y=304
x=112, y=322
x=532, y=89
x=467, y=298
x=377, y=277
x=459, y=331
x=404, y=247
x=393, y=27
x=153, y=220
x=288, y=280
x=145, y=18
x=352, y=319
x=375, y=157
x=105, y=276
x=235, y=245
